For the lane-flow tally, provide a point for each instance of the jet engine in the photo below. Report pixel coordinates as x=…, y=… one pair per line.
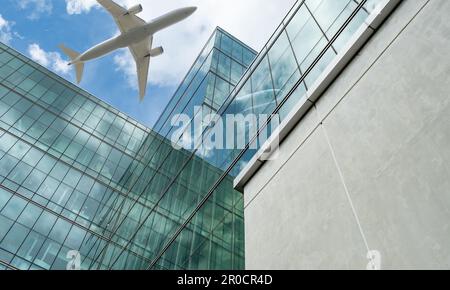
x=156, y=51
x=134, y=10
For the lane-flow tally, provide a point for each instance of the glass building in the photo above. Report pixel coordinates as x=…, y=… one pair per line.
x=310, y=38
x=76, y=174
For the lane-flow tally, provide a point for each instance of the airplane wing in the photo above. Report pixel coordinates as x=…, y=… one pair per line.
x=140, y=52
x=124, y=21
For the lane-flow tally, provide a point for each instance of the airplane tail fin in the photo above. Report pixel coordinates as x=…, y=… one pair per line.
x=79, y=66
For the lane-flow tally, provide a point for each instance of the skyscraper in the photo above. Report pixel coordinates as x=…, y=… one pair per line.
x=76, y=174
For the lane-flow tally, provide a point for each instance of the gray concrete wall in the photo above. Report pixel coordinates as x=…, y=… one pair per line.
x=384, y=183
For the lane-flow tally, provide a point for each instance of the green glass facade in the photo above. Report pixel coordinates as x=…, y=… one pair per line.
x=76, y=174
x=63, y=155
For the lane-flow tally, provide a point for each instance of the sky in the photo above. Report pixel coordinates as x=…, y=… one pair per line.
x=37, y=27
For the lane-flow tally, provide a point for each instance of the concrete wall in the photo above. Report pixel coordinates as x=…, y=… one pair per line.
x=382, y=182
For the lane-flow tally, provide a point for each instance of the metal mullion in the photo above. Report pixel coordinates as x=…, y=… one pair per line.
x=318, y=25
x=8, y=265
x=291, y=47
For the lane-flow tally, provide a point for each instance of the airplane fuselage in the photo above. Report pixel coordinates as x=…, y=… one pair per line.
x=135, y=35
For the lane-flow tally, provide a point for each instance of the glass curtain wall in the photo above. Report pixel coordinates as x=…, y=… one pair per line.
x=175, y=182
x=62, y=156
x=76, y=174
x=308, y=39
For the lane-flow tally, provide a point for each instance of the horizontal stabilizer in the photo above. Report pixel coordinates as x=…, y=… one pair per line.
x=73, y=55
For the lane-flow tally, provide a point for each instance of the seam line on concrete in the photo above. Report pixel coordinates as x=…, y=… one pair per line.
x=342, y=179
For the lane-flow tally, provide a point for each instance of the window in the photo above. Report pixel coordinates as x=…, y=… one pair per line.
x=73, y=150
x=48, y=187
x=227, y=43
x=19, y=149
x=49, y=137
x=45, y=223
x=72, y=178
x=236, y=72
x=62, y=194
x=85, y=184
x=14, y=238
x=224, y=67
x=60, y=231
x=6, y=142
x=293, y=99
x=33, y=156
x=24, y=123
x=47, y=254
x=306, y=40
x=7, y=163
x=89, y=208
x=222, y=90
x=11, y=98
x=61, y=143
x=31, y=246
x=46, y=163
x=59, y=171
x=327, y=12
x=85, y=156
x=5, y=225
x=237, y=51
x=35, y=112
x=11, y=116
x=20, y=172
x=27, y=84
x=4, y=197
x=282, y=61
x=76, y=201
x=34, y=180
x=75, y=238
x=262, y=89
x=30, y=215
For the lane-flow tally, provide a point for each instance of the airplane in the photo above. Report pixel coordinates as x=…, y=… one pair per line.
x=135, y=33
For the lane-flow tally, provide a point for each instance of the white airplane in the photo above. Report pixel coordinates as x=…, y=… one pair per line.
x=136, y=34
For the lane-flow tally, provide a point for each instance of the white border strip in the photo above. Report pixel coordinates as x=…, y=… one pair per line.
x=332, y=71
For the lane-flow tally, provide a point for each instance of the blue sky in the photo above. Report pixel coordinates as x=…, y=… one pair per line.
x=36, y=27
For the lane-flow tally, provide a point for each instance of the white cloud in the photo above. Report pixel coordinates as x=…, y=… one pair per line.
x=79, y=6
x=38, y=7
x=123, y=62
x=252, y=21
x=51, y=60
x=6, y=33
